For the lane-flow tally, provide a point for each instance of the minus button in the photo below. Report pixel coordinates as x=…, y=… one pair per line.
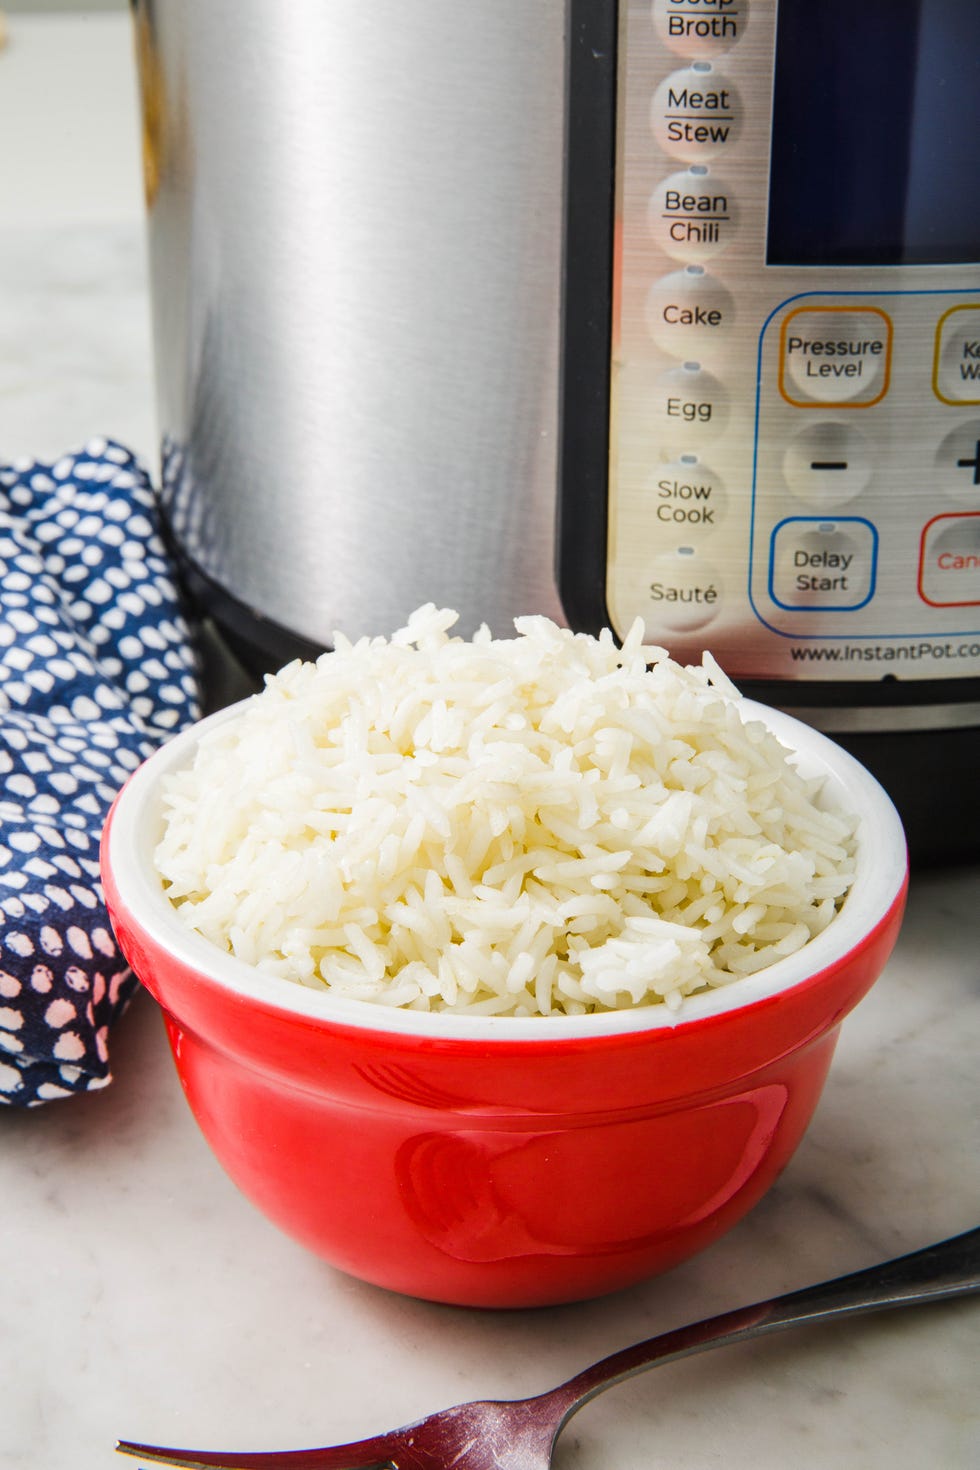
x=828, y=463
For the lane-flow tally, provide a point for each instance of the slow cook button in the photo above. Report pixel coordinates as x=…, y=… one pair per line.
x=818, y=565
x=690, y=409
x=689, y=312
x=949, y=561
x=696, y=28
x=687, y=495
x=692, y=215
x=832, y=354
x=695, y=113
x=684, y=592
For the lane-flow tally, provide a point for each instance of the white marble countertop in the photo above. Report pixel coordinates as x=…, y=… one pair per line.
x=143, y=1297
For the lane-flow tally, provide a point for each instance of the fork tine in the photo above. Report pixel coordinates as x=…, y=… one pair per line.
x=365, y=1454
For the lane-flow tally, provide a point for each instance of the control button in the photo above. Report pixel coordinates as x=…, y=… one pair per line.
x=689, y=312
x=700, y=27
x=684, y=591
x=949, y=561
x=690, y=407
x=692, y=215
x=688, y=495
x=958, y=461
x=835, y=354
x=956, y=370
x=828, y=463
x=818, y=565
x=696, y=113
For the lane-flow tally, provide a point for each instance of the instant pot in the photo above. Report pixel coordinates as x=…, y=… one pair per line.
x=664, y=310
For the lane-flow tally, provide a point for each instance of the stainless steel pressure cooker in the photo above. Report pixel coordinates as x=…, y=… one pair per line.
x=604, y=310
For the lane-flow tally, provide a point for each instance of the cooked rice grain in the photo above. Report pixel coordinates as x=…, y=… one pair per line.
x=545, y=824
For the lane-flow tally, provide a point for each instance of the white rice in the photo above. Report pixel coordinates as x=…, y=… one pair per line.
x=539, y=825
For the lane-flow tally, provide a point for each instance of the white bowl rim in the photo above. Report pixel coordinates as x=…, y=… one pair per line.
x=880, y=872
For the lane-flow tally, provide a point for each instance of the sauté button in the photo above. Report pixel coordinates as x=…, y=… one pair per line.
x=689, y=312
x=818, y=566
x=696, y=113
x=700, y=27
x=692, y=215
x=949, y=560
x=835, y=354
x=685, y=592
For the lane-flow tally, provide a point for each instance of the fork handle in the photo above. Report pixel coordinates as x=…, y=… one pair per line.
x=947, y=1269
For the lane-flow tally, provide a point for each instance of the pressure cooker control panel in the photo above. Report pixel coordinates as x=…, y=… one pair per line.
x=794, y=452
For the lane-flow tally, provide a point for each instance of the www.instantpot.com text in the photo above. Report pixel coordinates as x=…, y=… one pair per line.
x=883, y=653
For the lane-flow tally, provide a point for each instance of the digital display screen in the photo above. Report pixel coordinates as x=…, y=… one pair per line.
x=876, y=133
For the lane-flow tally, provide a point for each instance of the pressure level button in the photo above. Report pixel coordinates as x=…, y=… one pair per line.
x=831, y=354
x=689, y=312
x=699, y=28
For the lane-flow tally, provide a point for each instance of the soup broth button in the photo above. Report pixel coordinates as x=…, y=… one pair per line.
x=700, y=28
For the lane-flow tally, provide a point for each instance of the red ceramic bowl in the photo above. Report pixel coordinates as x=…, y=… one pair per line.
x=492, y=1161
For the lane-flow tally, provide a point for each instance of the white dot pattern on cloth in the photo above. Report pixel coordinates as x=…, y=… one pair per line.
x=97, y=668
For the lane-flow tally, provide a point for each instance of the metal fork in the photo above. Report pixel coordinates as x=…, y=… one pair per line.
x=520, y=1434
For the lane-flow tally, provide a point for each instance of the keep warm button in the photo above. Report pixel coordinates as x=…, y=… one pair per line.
x=816, y=565
x=949, y=561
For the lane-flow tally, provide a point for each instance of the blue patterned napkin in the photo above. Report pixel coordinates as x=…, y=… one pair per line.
x=97, y=668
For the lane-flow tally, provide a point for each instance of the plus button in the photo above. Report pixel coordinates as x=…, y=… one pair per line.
x=972, y=464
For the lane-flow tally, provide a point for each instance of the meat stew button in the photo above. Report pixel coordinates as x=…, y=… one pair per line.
x=696, y=113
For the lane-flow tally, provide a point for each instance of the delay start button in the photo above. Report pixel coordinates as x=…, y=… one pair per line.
x=949, y=560
x=835, y=354
x=820, y=565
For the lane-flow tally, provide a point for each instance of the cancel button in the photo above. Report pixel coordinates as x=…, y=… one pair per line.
x=949, y=561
